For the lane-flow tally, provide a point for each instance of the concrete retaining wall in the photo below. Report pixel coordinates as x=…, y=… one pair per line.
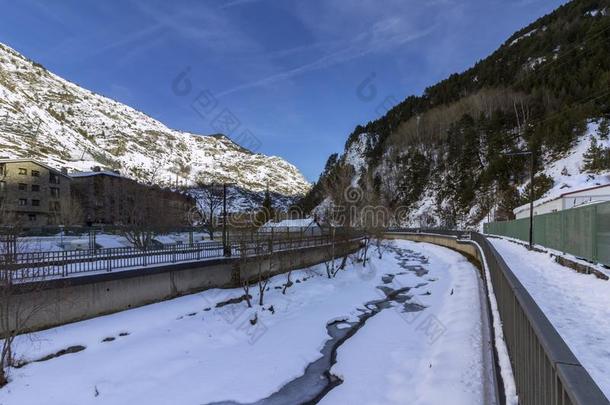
x=43, y=305
x=464, y=247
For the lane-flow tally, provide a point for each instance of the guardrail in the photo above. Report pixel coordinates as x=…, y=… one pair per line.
x=545, y=369
x=46, y=265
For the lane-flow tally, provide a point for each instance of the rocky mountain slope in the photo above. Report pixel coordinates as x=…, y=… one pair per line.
x=45, y=117
x=442, y=158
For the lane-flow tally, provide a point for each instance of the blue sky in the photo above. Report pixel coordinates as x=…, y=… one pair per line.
x=289, y=71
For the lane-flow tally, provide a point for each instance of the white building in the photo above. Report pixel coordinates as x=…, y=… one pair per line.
x=307, y=226
x=566, y=201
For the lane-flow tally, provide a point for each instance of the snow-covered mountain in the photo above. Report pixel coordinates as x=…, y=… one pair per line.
x=45, y=117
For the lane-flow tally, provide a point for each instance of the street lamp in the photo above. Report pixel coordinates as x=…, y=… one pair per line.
x=225, y=242
x=531, y=155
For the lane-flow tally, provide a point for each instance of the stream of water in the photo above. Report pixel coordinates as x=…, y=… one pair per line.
x=317, y=379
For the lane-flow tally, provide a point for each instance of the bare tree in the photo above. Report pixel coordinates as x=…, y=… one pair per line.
x=382, y=246
x=141, y=216
x=8, y=253
x=16, y=313
x=8, y=217
x=289, y=282
x=246, y=286
x=245, y=282
x=261, y=258
x=70, y=212
x=209, y=203
x=264, y=275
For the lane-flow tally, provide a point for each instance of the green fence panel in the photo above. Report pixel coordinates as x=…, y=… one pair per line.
x=554, y=234
x=603, y=233
x=580, y=228
x=583, y=232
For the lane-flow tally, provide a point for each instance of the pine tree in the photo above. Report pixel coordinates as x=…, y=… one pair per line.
x=596, y=158
x=266, y=213
x=603, y=130
x=267, y=204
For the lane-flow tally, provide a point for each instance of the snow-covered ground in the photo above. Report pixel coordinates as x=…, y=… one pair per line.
x=424, y=346
x=58, y=243
x=578, y=305
x=387, y=363
x=568, y=173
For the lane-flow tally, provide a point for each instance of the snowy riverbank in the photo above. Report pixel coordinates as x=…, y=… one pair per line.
x=425, y=346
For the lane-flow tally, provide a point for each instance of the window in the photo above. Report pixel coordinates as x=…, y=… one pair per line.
x=35, y=187
x=23, y=202
x=23, y=187
x=32, y=217
x=35, y=173
x=36, y=203
x=54, y=192
x=22, y=171
x=2, y=169
x=54, y=206
x=53, y=178
x=2, y=186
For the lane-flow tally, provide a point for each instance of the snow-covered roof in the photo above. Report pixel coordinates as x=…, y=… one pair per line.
x=584, y=189
x=100, y=173
x=166, y=240
x=292, y=223
x=542, y=201
x=36, y=163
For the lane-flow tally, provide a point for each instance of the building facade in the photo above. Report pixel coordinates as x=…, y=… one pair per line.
x=32, y=194
x=106, y=197
x=566, y=201
x=305, y=227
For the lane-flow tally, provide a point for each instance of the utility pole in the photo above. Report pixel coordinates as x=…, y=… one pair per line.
x=226, y=249
x=225, y=233
x=531, y=200
x=532, y=166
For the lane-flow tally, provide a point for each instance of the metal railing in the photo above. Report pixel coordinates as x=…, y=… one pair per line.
x=48, y=265
x=545, y=369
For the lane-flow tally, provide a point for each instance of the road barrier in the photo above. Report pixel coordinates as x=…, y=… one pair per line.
x=583, y=232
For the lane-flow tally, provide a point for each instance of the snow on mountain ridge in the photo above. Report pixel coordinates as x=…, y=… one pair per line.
x=47, y=118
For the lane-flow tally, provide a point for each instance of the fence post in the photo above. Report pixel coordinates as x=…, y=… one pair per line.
x=63, y=267
x=594, y=236
x=271, y=241
x=562, y=218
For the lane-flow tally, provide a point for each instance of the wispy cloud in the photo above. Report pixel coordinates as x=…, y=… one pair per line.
x=382, y=37
x=202, y=25
x=233, y=3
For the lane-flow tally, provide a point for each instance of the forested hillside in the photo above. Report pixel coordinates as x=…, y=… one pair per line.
x=443, y=154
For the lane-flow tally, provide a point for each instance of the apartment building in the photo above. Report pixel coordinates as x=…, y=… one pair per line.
x=106, y=197
x=32, y=193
